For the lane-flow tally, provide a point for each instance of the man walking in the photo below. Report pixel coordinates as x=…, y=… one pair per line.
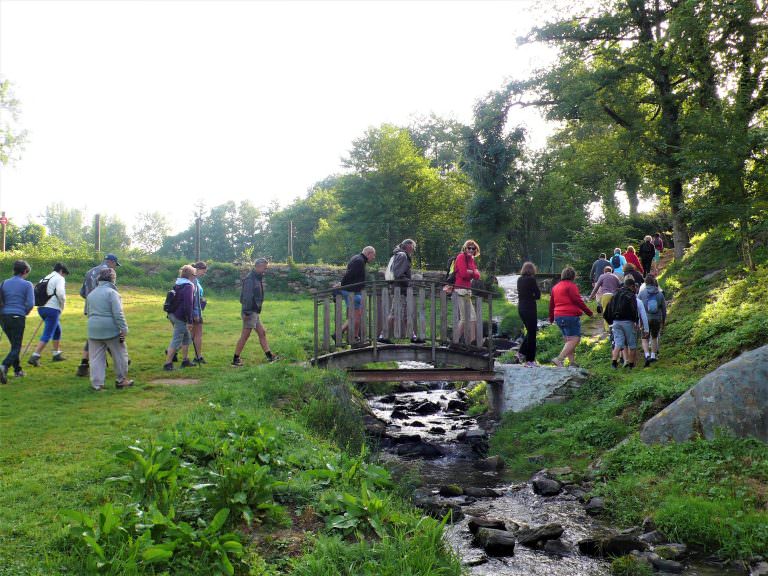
x=17, y=298
x=399, y=273
x=598, y=268
x=352, y=285
x=647, y=251
x=90, y=282
x=251, y=300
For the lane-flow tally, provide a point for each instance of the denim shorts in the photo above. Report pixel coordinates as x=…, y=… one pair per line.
x=358, y=298
x=569, y=325
x=624, y=335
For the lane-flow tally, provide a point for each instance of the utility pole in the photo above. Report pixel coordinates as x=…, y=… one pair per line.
x=4, y=223
x=198, y=223
x=97, y=232
x=290, y=240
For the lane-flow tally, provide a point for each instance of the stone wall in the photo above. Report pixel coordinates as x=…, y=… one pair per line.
x=520, y=388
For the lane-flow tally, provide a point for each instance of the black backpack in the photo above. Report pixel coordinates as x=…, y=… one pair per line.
x=170, y=298
x=41, y=292
x=616, y=261
x=623, y=306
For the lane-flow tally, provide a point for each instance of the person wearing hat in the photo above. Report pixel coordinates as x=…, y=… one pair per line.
x=198, y=305
x=251, y=300
x=90, y=282
x=50, y=312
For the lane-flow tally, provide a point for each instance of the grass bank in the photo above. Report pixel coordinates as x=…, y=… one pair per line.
x=260, y=470
x=711, y=495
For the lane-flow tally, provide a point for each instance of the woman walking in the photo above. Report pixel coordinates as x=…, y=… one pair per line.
x=528, y=293
x=18, y=299
x=181, y=314
x=466, y=271
x=198, y=305
x=50, y=313
x=107, y=330
x=565, y=308
x=632, y=258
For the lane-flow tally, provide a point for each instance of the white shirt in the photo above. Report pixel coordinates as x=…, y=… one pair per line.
x=57, y=291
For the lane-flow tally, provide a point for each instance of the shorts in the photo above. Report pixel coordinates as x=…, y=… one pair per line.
x=570, y=326
x=624, y=335
x=465, y=296
x=358, y=298
x=181, y=336
x=654, y=327
x=251, y=321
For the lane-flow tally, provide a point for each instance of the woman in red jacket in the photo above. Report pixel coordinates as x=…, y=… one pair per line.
x=466, y=271
x=565, y=307
x=632, y=258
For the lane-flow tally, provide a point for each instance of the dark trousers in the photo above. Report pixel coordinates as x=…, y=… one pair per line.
x=528, y=347
x=13, y=326
x=646, y=265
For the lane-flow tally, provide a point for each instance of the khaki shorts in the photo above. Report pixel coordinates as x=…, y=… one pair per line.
x=251, y=321
x=465, y=296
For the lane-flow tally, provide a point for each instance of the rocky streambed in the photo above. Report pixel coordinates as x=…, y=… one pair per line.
x=503, y=525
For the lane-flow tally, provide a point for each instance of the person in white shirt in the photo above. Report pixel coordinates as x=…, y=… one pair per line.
x=56, y=291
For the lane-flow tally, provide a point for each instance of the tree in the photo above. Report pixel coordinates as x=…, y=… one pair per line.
x=68, y=224
x=149, y=231
x=12, y=137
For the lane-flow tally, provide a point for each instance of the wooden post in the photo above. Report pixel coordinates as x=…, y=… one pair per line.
x=479, y=320
x=397, y=312
x=326, y=323
x=97, y=232
x=317, y=327
x=456, y=301
x=337, y=327
x=4, y=223
x=376, y=312
x=433, y=321
x=490, y=332
x=385, y=310
x=351, y=324
x=363, y=317
x=443, y=316
x=421, y=320
x=410, y=306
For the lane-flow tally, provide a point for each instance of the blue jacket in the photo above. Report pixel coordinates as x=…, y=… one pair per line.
x=18, y=295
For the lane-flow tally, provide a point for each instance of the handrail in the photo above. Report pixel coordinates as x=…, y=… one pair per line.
x=417, y=310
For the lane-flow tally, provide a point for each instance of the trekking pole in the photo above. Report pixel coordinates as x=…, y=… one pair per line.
x=31, y=339
x=197, y=355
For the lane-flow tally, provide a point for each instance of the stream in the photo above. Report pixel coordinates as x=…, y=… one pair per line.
x=427, y=434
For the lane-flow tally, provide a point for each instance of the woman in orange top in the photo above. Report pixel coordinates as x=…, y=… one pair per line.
x=632, y=258
x=565, y=307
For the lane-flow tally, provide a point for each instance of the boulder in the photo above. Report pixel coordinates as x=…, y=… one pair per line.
x=523, y=388
x=451, y=490
x=557, y=548
x=546, y=486
x=419, y=450
x=412, y=387
x=669, y=566
x=416, y=424
x=538, y=536
x=490, y=463
x=427, y=407
x=595, y=506
x=653, y=537
x=495, y=542
x=610, y=545
x=388, y=399
x=438, y=430
x=483, y=492
x=734, y=397
x=458, y=405
x=398, y=414
x=475, y=523
x=759, y=569
x=671, y=551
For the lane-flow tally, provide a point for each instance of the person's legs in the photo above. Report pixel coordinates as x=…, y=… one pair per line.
x=262, y=334
x=244, y=335
x=620, y=338
x=570, y=326
x=605, y=299
x=13, y=326
x=569, y=350
x=197, y=338
x=528, y=349
x=119, y=356
x=98, y=361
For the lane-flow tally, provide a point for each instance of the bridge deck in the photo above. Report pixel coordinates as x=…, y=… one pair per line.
x=422, y=375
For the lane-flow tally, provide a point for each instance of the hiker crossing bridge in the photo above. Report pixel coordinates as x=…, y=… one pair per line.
x=416, y=321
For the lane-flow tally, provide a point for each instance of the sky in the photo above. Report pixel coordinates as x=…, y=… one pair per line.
x=136, y=106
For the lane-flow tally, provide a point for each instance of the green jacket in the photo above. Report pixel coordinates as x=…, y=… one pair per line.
x=104, y=308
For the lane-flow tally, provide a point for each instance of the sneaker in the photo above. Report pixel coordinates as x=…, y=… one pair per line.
x=238, y=362
x=647, y=362
x=614, y=364
x=274, y=358
x=3, y=374
x=124, y=383
x=557, y=362
x=19, y=374
x=168, y=367
x=58, y=357
x=34, y=360
x=531, y=365
x=200, y=360
x=629, y=366
x=187, y=363
x=97, y=388
x=83, y=370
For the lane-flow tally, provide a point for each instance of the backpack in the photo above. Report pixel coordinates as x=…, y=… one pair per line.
x=170, y=297
x=653, y=303
x=2, y=296
x=41, y=292
x=389, y=275
x=450, y=271
x=623, y=306
x=616, y=261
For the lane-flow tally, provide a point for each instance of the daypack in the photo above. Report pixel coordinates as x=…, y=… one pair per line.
x=170, y=297
x=450, y=271
x=389, y=276
x=41, y=292
x=623, y=306
x=616, y=261
x=653, y=303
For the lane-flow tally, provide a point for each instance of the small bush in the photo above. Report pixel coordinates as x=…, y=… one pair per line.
x=630, y=566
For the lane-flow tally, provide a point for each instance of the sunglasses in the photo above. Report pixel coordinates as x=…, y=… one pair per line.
x=473, y=248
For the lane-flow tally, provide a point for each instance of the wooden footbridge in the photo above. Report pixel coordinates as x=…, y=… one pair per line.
x=418, y=321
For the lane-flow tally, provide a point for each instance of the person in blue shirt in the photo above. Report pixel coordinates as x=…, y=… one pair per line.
x=617, y=263
x=18, y=299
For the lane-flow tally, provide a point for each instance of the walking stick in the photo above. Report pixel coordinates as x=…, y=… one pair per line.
x=31, y=339
x=197, y=355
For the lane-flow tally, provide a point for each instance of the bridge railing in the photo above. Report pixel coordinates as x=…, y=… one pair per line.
x=420, y=312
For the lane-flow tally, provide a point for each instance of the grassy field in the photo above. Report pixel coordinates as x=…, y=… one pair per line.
x=59, y=440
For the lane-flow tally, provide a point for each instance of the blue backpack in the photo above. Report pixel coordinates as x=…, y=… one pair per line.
x=653, y=303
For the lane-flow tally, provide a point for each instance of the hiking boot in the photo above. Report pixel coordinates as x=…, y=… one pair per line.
x=83, y=370
x=274, y=358
x=238, y=362
x=124, y=383
x=647, y=362
x=614, y=365
x=168, y=367
x=200, y=360
x=58, y=357
x=187, y=363
x=19, y=374
x=34, y=360
x=557, y=362
x=3, y=374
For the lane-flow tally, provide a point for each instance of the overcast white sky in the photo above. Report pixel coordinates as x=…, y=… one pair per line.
x=151, y=105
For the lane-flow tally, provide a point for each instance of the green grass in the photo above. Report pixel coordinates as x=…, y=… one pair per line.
x=713, y=495
x=59, y=440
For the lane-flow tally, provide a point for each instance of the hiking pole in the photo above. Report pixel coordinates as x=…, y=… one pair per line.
x=197, y=355
x=31, y=339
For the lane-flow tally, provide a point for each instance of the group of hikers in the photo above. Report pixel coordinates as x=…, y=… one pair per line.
x=627, y=294
x=107, y=327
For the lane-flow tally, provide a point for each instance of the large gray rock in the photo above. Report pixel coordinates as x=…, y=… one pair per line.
x=520, y=388
x=734, y=398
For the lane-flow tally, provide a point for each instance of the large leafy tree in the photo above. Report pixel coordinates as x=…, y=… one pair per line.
x=12, y=136
x=149, y=231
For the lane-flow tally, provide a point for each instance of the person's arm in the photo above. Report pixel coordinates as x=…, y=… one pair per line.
x=29, y=298
x=642, y=313
x=597, y=286
x=117, y=312
x=246, y=295
x=189, y=303
x=536, y=289
x=552, y=306
x=579, y=301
